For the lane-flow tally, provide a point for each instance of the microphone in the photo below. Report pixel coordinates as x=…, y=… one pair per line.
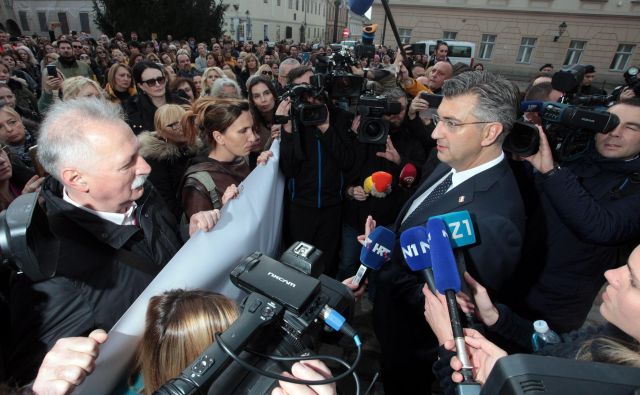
x=381, y=181
x=408, y=175
x=375, y=252
x=531, y=106
x=448, y=282
x=417, y=254
x=360, y=7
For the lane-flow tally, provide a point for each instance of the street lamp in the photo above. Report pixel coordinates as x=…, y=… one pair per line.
x=561, y=29
x=335, y=20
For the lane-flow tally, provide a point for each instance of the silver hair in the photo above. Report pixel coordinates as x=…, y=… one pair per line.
x=286, y=63
x=497, y=97
x=63, y=134
x=220, y=83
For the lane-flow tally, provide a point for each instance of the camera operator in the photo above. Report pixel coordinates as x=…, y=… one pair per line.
x=313, y=161
x=401, y=148
x=587, y=217
x=586, y=86
x=114, y=232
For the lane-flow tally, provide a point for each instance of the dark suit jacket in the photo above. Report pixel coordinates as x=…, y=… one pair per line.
x=493, y=200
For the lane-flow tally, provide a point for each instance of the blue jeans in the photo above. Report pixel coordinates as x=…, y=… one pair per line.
x=349, y=253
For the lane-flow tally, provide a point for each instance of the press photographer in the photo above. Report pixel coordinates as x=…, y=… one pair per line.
x=315, y=151
x=587, y=217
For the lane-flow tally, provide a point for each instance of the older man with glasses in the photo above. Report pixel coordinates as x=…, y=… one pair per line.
x=477, y=112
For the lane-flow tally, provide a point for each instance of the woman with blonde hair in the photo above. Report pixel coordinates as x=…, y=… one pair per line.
x=209, y=76
x=180, y=325
x=120, y=87
x=225, y=127
x=251, y=65
x=16, y=136
x=168, y=150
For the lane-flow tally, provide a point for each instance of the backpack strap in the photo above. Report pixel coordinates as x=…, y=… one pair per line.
x=205, y=179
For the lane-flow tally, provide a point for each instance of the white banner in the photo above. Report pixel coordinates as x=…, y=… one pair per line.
x=251, y=222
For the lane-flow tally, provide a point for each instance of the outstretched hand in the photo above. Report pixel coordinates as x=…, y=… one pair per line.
x=482, y=353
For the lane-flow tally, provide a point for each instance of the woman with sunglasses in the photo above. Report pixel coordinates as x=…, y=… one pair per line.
x=250, y=67
x=151, y=85
x=265, y=72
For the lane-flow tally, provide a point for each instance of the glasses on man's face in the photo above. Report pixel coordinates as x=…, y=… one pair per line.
x=267, y=72
x=4, y=149
x=452, y=125
x=154, y=81
x=77, y=46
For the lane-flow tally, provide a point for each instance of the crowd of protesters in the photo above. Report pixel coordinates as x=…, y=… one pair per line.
x=145, y=141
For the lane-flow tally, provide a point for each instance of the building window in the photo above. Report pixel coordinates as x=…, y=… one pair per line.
x=266, y=1
x=297, y=4
x=405, y=35
x=487, y=43
x=277, y=32
x=278, y=3
x=24, y=22
x=290, y=4
x=64, y=23
x=622, y=56
x=574, y=53
x=449, y=35
x=84, y=22
x=42, y=21
x=526, y=50
x=288, y=32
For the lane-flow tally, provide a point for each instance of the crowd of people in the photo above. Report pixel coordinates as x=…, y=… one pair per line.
x=133, y=146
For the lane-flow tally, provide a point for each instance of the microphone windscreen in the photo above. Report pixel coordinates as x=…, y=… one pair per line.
x=381, y=180
x=360, y=7
x=531, y=106
x=367, y=185
x=460, y=228
x=415, y=248
x=377, y=248
x=445, y=270
x=408, y=175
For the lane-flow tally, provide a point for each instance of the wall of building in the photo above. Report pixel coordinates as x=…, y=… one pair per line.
x=603, y=26
x=51, y=9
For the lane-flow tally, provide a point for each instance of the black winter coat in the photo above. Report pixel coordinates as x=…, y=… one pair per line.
x=141, y=110
x=93, y=285
x=587, y=221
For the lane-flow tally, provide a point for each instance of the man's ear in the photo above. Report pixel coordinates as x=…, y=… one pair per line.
x=491, y=133
x=72, y=178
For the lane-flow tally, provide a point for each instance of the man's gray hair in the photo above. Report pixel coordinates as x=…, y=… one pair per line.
x=63, y=134
x=498, y=99
x=220, y=83
x=288, y=62
x=394, y=93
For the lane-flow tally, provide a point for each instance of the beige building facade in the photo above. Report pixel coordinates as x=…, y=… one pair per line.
x=516, y=37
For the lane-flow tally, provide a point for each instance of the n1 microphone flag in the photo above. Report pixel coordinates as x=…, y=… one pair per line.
x=417, y=254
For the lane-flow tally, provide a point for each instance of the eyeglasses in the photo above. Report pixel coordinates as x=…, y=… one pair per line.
x=175, y=125
x=452, y=125
x=154, y=81
x=4, y=149
x=77, y=46
x=267, y=72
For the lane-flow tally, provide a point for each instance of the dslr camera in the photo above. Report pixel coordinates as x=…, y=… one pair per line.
x=306, y=113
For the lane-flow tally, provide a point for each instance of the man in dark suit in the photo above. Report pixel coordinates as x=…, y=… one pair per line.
x=476, y=113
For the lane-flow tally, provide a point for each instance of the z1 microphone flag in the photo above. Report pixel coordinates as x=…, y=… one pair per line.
x=376, y=250
x=460, y=228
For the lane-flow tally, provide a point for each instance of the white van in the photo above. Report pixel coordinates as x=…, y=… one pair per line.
x=459, y=51
x=348, y=44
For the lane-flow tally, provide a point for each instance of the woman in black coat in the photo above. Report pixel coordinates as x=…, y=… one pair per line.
x=152, y=93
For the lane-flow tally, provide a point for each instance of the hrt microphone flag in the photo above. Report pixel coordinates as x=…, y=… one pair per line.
x=376, y=250
x=417, y=254
x=443, y=262
x=360, y=7
x=460, y=228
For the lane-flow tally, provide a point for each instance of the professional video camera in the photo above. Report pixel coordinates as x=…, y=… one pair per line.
x=373, y=127
x=26, y=243
x=568, y=81
x=338, y=80
x=569, y=129
x=308, y=114
x=281, y=316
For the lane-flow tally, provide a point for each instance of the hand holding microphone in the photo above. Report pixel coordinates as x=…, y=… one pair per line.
x=448, y=282
x=376, y=250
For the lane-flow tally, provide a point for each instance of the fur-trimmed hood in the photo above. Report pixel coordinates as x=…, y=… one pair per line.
x=154, y=147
